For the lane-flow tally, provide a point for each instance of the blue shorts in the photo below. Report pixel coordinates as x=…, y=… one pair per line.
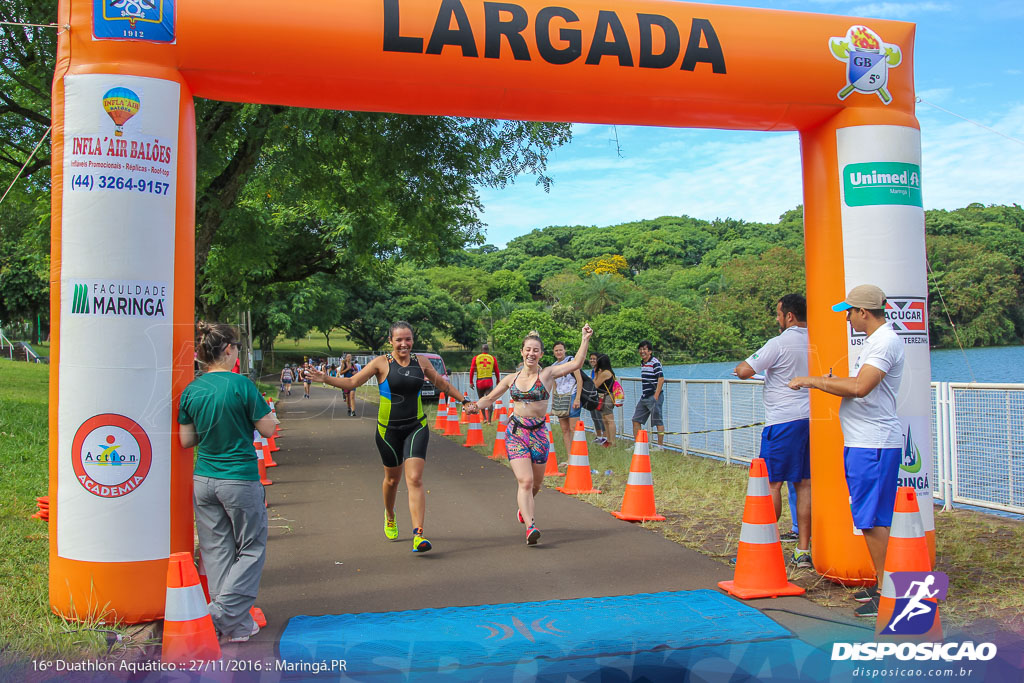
x=873, y=477
x=786, y=449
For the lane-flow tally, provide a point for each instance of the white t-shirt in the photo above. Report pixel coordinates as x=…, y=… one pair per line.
x=781, y=359
x=566, y=384
x=871, y=422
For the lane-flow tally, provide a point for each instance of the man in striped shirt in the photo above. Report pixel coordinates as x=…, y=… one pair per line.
x=652, y=381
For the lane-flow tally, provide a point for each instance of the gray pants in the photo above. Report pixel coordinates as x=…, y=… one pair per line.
x=231, y=519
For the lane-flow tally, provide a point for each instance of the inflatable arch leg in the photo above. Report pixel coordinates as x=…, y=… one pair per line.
x=853, y=237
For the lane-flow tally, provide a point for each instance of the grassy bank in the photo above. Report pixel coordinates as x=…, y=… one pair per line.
x=702, y=500
x=27, y=627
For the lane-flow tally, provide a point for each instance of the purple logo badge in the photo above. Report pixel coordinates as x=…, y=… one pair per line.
x=917, y=595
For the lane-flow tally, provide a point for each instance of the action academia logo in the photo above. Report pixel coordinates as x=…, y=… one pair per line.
x=868, y=60
x=111, y=455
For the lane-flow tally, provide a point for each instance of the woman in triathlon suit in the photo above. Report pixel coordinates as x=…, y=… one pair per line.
x=402, y=432
x=526, y=438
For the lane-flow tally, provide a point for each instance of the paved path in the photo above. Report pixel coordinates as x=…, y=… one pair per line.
x=327, y=553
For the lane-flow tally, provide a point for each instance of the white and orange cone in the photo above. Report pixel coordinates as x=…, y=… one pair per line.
x=760, y=566
x=475, y=433
x=577, y=474
x=442, y=413
x=907, y=551
x=189, y=635
x=498, y=452
x=451, y=423
x=638, y=501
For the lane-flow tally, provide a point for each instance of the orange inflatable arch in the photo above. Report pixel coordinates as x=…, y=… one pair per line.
x=124, y=167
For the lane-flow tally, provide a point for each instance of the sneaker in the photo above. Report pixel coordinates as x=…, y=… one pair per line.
x=733, y=561
x=245, y=638
x=390, y=527
x=789, y=537
x=420, y=544
x=866, y=594
x=868, y=609
x=532, y=535
x=601, y=440
x=519, y=516
x=605, y=444
x=802, y=558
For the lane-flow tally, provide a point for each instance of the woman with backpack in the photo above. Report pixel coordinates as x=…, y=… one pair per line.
x=605, y=382
x=526, y=438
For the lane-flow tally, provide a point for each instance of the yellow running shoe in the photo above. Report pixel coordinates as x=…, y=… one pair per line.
x=390, y=527
x=419, y=544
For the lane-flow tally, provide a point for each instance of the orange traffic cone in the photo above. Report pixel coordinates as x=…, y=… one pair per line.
x=475, y=434
x=442, y=413
x=463, y=417
x=273, y=445
x=638, y=501
x=43, y=513
x=498, y=452
x=760, y=566
x=257, y=443
x=258, y=616
x=451, y=423
x=189, y=634
x=552, y=468
x=907, y=551
x=499, y=410
x=268, y=459
x=577, y=474
x=204, y=581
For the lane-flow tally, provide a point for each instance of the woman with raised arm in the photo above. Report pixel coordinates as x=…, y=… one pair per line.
x=217, y=414
x=526, y=438
x=402, y=432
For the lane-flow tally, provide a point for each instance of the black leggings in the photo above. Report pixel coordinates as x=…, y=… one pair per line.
x=395, y=444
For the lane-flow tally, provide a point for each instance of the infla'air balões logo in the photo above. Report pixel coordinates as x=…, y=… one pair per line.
x=111, y=455
x=120, y=104
x=917, y=596
x=151, y=20
x=868, y=60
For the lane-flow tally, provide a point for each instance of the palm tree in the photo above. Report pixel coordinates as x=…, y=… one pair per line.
x=602, y=291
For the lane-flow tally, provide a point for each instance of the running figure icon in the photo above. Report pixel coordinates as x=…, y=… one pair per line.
x=915, y=606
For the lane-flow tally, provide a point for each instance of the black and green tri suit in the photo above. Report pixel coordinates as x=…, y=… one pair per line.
x=401, y=423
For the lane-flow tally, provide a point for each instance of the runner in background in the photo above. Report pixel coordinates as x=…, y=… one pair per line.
x=348, y=369
x=485, y=367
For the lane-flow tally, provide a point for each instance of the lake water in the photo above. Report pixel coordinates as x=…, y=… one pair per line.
x=1003, y=364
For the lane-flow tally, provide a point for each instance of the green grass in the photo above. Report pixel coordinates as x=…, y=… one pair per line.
x=702, y=500
x=27, y=628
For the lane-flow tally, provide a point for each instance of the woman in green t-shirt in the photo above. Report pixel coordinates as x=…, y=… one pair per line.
x=218, y=412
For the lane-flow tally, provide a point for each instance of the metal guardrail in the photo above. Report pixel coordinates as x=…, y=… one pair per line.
x=977, y=432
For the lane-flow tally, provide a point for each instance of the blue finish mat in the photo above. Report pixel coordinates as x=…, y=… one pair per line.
x=558, y=636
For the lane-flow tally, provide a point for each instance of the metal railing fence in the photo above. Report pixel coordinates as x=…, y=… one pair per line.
x=977, y=432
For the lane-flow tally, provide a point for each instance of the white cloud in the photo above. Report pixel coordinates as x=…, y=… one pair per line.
x=935, y=94
x=745, y=175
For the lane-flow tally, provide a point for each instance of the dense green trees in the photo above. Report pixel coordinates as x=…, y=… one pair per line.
x=706, y=290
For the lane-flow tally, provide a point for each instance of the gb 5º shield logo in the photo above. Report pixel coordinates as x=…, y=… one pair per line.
x=916, y=604
x=868, y=60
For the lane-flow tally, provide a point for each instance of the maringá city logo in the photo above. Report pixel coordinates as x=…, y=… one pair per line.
x=911, y=455
x=917, y=596
x=868, y=60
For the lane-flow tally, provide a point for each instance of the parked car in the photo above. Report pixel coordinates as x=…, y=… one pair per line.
x=429, y=390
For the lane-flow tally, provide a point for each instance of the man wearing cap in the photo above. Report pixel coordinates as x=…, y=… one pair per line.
x=785, y=440
x=872, y=433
